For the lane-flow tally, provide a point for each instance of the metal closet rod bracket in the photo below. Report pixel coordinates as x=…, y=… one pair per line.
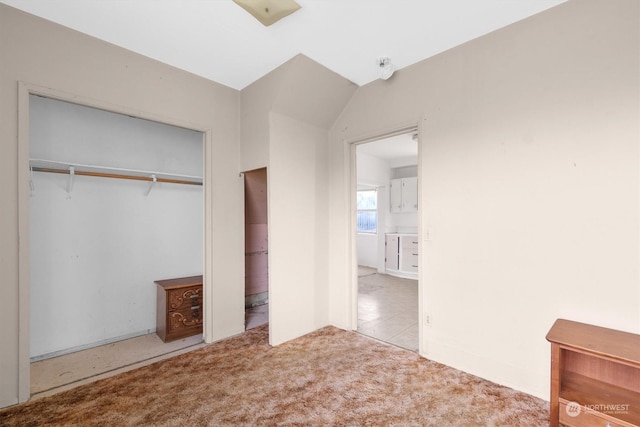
x=72, y=173
x=153, y=181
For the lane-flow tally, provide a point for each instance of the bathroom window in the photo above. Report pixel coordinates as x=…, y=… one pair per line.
x=367, y=207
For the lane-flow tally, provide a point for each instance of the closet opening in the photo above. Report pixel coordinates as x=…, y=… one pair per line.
x=256, y=255
x=116, y=213
x=387, y=224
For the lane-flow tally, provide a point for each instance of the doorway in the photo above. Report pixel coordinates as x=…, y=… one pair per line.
x=256, y=249
x=387, y=224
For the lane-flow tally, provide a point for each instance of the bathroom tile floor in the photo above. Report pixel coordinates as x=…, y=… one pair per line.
x=388, y=308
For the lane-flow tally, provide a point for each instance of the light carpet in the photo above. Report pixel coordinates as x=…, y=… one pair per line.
x=330, y=377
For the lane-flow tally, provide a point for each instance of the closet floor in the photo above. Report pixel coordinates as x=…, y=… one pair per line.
x=388, y=308
x=64, y=372
x=60, y=373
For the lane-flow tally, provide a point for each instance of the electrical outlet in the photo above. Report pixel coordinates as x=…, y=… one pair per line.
x=427, y=319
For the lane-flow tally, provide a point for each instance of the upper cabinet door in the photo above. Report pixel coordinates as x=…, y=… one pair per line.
x=410, y=194
x=403, y=195
x=395, y=195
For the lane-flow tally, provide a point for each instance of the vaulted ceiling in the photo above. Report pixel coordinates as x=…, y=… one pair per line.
x=220, y=41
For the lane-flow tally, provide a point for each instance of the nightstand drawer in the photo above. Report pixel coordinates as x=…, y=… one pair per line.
x=184, y=298
x=185, y=320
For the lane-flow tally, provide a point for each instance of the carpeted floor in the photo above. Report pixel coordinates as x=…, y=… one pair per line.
x=329, y=377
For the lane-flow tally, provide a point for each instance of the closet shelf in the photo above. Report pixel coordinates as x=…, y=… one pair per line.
x=51, y=166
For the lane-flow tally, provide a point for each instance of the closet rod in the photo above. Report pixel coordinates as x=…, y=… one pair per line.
x=114, y=175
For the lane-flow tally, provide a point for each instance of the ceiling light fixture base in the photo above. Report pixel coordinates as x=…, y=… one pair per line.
x=268, y=11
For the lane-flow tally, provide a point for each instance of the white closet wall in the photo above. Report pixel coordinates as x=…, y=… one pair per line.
x=96, y=250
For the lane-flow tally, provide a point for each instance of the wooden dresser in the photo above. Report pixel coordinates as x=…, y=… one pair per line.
x=179, y=308
x=595, y=376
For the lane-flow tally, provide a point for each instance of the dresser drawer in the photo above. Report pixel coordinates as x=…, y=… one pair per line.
x=410, y=260
x=185, y=320
x=184, y=298
x=586, y=418
x=409, y=243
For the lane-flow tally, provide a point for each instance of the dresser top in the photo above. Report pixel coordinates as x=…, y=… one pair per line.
x=180, y=282
x=623, y=346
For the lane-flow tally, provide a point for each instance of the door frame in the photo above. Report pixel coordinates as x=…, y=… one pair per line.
x=350, y=145
x=24, y=91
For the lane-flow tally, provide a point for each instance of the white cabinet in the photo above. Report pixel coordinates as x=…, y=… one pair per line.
x=401, y=255
x=403, y=194
x=409, y=253
x=391, y=254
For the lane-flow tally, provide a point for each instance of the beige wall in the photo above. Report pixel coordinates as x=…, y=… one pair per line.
x=285, y=127
x=529, y=186
x=298, y=226
x=287, y=91
x=77, y=67
x=256, y=101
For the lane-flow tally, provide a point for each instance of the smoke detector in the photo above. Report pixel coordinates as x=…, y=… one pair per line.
x=386, y=67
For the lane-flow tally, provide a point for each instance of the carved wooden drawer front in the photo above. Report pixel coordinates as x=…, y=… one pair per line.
x=179, y=308
x=184, y=298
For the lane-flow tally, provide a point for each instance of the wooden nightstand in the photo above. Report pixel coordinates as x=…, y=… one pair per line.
x=595, y=376
x=179, y=308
